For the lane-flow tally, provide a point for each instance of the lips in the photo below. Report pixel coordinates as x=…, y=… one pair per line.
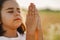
x=17, y=19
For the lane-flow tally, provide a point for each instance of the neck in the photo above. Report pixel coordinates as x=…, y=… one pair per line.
x=10, y=32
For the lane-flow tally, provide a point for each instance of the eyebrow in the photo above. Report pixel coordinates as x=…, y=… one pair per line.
x=12, y=9
x=18, y=8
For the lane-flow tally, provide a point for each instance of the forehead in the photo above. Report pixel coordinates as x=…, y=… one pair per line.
x=9, y=3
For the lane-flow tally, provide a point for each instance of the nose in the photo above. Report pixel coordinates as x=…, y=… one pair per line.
x=16, y=14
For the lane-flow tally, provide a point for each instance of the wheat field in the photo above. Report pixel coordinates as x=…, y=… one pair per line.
x=50, y=23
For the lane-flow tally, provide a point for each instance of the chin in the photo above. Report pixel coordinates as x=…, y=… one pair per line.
x=17, y=25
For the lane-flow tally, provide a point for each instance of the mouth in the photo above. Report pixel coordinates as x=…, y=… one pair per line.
x=17, y=19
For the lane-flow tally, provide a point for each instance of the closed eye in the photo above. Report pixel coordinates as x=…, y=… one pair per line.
x=19, y=12
x=10, y=11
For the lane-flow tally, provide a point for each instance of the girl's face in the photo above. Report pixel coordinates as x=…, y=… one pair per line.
x=10, y=14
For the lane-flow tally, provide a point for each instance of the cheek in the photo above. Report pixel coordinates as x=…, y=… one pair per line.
x=8, y=20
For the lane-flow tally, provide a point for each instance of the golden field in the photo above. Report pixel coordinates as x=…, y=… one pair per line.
x=50, y=23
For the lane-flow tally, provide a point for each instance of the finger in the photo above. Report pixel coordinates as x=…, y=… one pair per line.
x=33, y=9
x=36, y=11
x=30, y=9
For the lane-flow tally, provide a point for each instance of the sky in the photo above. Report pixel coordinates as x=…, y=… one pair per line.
x=41, y=4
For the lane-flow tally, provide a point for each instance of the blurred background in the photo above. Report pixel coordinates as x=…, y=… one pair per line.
x=49, y=11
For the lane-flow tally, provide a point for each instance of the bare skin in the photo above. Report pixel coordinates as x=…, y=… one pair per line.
x=9, y=13
x=10, y=25
x=33, y=24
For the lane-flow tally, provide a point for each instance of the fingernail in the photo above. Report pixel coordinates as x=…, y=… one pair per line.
x=31, y=4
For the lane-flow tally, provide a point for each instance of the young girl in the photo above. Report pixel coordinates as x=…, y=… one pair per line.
x=11, y=25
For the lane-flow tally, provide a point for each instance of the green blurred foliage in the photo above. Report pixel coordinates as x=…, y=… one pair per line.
x=56, y=37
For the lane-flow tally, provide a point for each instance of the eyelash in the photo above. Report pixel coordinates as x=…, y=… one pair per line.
x=19, y=12
x=12, y=11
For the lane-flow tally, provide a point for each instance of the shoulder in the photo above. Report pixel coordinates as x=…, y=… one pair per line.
x=22, y=36
x=2, y=38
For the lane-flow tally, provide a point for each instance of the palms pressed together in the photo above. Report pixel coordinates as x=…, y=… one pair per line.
x=33, y=24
